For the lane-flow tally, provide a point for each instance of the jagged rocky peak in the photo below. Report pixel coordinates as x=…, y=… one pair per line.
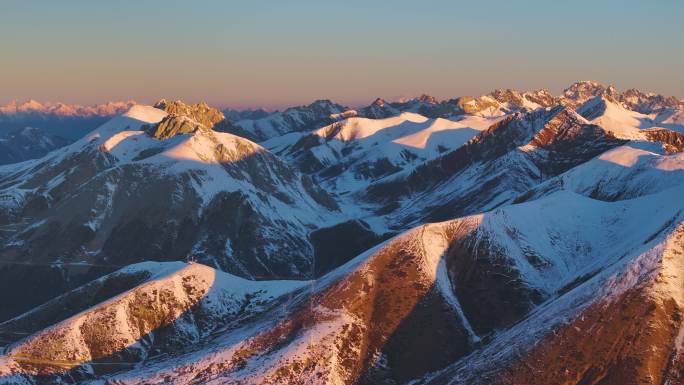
x=632, y=99
x=582, y=91
x=201, y=112
x=471, y=105
x=185, y=118
x=505, y=101
x=649, y=102
x=173, y=125
x=425, y=98
x=508, y=96
x=379, y=102
x=542, y=97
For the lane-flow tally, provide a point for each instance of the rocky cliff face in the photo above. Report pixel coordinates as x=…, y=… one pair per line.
x=186, y=118
x=173, y=125
x=200, y=112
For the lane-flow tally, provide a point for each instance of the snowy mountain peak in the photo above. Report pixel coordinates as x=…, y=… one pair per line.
x=582, y=91
x=147, y=114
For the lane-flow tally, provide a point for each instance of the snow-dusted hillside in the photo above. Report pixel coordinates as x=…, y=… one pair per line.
x=617, y=321
x=561, y=254
x=176, y=305
x=626, y=172
x=349, y=155
x=491, y=169
x=119, y=196
x=294, y=119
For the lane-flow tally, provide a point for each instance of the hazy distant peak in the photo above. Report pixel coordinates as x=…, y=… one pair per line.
x=327, y=106
x=378, y=102
x=507, y=96
x=32, y=106
x=425, y=98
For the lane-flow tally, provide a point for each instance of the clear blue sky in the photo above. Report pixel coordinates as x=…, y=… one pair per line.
x=275, y=53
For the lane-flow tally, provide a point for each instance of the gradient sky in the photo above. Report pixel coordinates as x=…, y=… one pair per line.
x=276, y=53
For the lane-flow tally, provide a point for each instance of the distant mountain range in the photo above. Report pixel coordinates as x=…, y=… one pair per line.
x=72, y=121
x=33, y=107
x=510, y=238
x=31, y=129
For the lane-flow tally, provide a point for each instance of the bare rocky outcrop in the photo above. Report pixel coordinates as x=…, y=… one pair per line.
x=173, y=125
x=541, y=97
x=673, y=141
x=185, y=118
x=201, y=113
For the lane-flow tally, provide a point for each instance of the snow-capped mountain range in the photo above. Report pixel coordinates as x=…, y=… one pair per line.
x=18, y=110
x=510, y=238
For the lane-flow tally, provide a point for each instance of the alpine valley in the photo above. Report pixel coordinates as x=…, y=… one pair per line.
x=517, y=237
